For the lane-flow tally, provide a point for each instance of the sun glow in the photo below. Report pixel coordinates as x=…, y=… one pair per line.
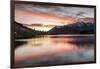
x=42, y=29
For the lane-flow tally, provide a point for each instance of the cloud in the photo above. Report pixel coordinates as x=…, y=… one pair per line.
x=60, y=14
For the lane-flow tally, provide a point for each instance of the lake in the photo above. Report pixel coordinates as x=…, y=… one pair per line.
x=54, y=50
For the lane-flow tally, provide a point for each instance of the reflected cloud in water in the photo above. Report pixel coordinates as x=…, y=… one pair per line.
x=54, y=50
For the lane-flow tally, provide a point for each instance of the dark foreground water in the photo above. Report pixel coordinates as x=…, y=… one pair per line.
x=54, y=49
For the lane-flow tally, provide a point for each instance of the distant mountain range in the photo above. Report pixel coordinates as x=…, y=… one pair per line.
x=22, y=31
x=75, y=28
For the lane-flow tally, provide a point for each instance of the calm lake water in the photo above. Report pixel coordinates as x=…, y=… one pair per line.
x=54, y=49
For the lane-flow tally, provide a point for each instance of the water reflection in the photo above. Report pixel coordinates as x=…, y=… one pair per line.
x=51, y=50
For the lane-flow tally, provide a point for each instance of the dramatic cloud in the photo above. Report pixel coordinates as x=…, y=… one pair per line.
x=46, y=14
x=51, y=15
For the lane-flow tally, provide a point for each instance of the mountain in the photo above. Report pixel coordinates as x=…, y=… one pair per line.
x=75, y=28
x=87, y=20
x=22, y=31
